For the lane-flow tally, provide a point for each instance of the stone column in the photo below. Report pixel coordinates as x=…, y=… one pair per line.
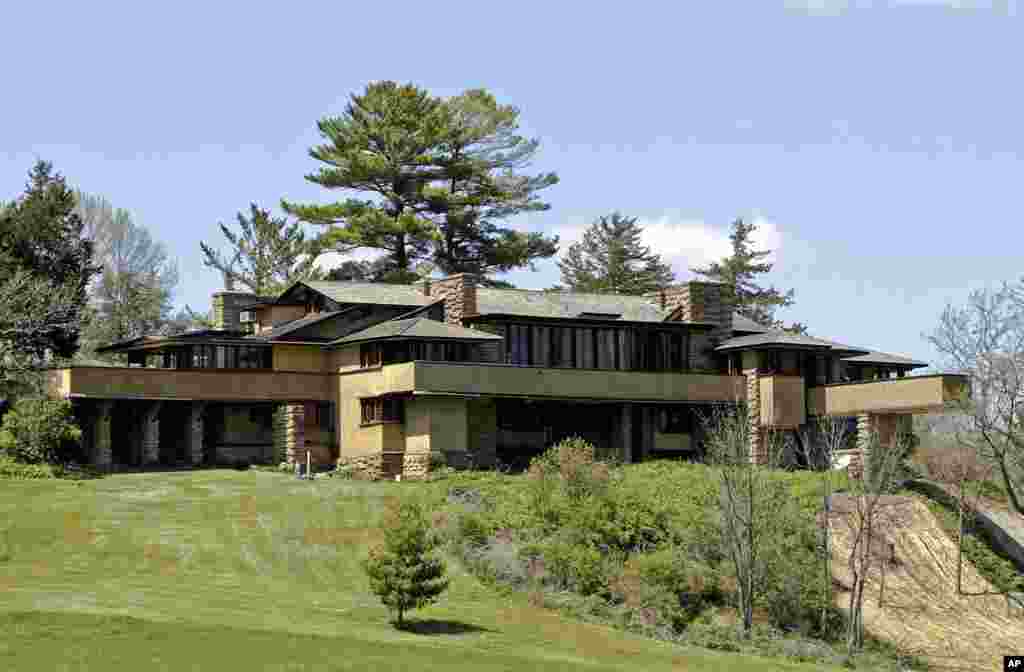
x=194, y=432
x=151, y=433
x=289, y=432
x=102, y=451
x=626, y=429
x=866, y=423
x=758, y=449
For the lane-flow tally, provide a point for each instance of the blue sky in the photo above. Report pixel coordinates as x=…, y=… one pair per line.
x=877, y=144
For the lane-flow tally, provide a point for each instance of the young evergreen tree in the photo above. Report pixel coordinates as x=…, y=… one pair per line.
x=267, y=255
x=439, y=173
x=404, y=572
x=739, y=269
x=42, y=248
x=611, y=259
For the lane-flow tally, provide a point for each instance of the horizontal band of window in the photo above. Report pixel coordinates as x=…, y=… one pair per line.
x=380, y=422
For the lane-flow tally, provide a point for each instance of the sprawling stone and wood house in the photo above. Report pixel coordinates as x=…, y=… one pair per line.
x=383, y=376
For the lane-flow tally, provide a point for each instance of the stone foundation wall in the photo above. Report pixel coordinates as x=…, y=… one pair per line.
x=415, y=466
x=758, y=448
x=194, y=432
x=102, y=454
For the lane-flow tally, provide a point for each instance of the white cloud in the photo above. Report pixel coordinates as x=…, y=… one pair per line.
x=685, y=242
x=332, y=259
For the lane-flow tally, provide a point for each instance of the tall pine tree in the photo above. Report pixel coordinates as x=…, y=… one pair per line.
x=611, y=259
x=267, y=255
x=440, y=174
x=739, y=269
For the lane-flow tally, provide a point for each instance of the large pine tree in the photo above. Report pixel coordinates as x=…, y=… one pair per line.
x=440, y=174
x=267, y=255
x=611, y=259
x=739, y=270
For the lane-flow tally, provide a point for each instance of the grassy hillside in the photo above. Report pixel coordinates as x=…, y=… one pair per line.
x=199, y=570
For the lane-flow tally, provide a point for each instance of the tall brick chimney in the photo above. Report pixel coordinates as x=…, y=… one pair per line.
x=699, y=302
x=459, y=294
x=227, y=306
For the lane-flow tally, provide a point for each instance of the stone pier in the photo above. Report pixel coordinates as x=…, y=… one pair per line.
x=151, y=433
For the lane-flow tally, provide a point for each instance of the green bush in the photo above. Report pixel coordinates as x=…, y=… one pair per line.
x=39, y=430
x=473, y=529
x=11, y=468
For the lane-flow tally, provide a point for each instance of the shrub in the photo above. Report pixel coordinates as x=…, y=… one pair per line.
x=573, y=566
x=10, y=468
x=403, y=571
x=473, y=530
x=39, y=430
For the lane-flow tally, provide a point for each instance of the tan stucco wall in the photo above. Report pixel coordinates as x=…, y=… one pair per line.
x=356, y=440
x=447, y=424
x=914, y=394
x=268, y=316
x=299, y=358
x=626, y=385
x=344, y=359
x=782, y=401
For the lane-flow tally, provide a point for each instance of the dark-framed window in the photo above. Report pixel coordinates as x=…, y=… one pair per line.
x=369, y=355
x=381, y=409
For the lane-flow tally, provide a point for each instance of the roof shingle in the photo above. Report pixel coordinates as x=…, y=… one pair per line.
x=416, y=327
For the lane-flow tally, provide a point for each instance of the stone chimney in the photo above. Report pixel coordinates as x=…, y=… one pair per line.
x=699, y=302
x=459, y=294
x=227, y=306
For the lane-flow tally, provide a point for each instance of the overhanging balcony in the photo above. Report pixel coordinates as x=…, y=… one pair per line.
x=188, y=384
x=916, y=394
x=475, y=379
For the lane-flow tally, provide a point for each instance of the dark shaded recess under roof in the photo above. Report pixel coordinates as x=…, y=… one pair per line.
x=229, y=335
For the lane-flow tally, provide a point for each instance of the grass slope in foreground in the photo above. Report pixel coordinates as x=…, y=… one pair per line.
x=207, y=569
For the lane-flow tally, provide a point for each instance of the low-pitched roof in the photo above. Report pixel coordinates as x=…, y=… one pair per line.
x=294, y=325
x=228, y=334
x=875, y=357
x=742, y=323
x=415, y=327
x=535, y=303
x=371, y=292
x=771, y=338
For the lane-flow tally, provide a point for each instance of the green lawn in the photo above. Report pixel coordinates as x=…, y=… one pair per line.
x=226, y=570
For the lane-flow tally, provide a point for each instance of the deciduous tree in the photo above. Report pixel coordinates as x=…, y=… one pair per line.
x=132, y=296
x=984, y=340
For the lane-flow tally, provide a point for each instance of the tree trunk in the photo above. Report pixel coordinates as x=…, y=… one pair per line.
x=1011, y=493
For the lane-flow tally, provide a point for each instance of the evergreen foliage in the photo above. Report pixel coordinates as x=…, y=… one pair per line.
x=268, y=254
x=404, y=572
x=611, y=259
x=440, y=174
x=42, y=250
x=739, y=270
x=38, y=430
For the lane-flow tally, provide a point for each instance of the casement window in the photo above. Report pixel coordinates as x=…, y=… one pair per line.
x=380, y=409
x=369, y=355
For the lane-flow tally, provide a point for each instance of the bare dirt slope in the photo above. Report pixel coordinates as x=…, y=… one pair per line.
x=920, y=609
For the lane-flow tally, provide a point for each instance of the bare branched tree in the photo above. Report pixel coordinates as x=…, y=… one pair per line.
x=819, y=449
x=750, y=500
x=985, y=341
x=866, y=518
